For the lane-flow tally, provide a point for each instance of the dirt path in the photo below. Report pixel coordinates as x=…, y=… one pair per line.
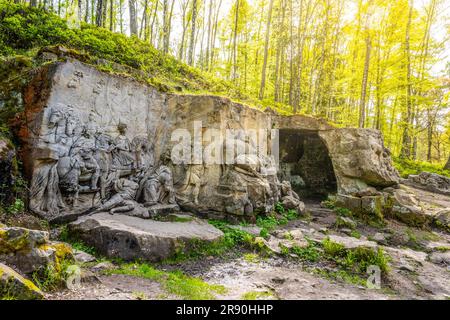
x=412, y=274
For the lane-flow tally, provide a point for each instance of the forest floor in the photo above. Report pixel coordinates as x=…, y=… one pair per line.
x=418, y=267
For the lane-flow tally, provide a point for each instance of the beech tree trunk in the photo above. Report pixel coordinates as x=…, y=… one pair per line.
x=192, y=40
x=266, y=52
x=133, y=17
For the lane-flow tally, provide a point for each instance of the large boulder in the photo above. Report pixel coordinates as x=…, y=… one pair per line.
x=130, y=238
x=442, y=219
x=14, y=286
x=360, y=159
x=429, y=181
x=405, y=207
x=30, y=250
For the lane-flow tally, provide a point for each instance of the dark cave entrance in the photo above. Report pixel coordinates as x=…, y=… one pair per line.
x=305, y=162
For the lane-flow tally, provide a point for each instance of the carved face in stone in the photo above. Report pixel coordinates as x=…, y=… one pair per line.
x=72, y=126
x=122, y=128
x=56, y=116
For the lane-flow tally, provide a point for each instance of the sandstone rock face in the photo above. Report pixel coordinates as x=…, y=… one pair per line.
x=429, y=181
x=13, y=285
x=359, y=159
x=8, y=170
x=30, y=250
x=96, y=142
x=442, y=219
x=132, y=238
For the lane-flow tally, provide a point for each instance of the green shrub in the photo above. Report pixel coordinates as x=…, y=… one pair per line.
x=406, y=167
x=23, y=30
x=17, y=207
x=174, y=282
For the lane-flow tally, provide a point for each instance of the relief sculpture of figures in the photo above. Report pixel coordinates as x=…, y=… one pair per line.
x=81, y=168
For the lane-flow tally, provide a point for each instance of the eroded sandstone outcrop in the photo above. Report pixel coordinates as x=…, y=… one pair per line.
x=30, y=250
x=8, y=170
x=98, y=142
x=429, y=181
x=14, y=286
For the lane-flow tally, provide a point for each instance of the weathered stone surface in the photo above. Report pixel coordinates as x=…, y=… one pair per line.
x=83, y=257
x=442, y=219
x=13, y=285
x=359, y=159
x=253, y=229
x=345, y=222
x=30, y=250
x=429, y=181
x=132, y=238
x=403, y=206
x=442, y=258
x=87, y=130
x=352, y=243
x=8, y=170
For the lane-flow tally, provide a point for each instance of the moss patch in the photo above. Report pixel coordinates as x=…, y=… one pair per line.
x=174, y=282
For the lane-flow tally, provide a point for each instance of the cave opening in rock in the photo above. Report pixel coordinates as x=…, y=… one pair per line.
x=305, y=162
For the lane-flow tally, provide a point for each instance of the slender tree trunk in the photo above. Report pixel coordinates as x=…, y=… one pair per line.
x=447, y=165
x=266, y=53
x=183, y=34
x=133, y=17
x=153, y=23
x=170, y=25
x=192, y=40
x=86, y=16
x=236, y=21
x=99, y=13
x=111, y=15
x=208, y=38
x=362, y=103
x=406, y=141
x=80, y=11
x=166, y=26
x=291, y=60
x=279, y=52
x=142, y=29
x=215, y=27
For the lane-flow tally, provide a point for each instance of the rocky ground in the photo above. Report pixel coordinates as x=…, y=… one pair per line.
x=419, y=266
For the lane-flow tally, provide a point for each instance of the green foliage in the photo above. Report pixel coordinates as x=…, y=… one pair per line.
x=23, y=28
x=17, y=207
x=344, y=212
x=196, y=249
x=406, y=167
x=355, y=234
x=76, y=244
x=281, y=216
x=53, y=276
x=174, y=282
x=357, y=259
x=257, y=295
x=309, y=253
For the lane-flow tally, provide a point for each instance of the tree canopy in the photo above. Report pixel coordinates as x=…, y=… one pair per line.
x=374, y=64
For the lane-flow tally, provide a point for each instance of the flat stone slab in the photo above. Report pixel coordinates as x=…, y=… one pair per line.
x=353, y=243
x=130, y=238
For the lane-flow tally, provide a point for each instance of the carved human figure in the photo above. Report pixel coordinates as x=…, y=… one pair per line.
x=123, y=155
x=123, y=200
x=157, y=187
x=144, y=153
x=195, y=180
x=89, y=168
